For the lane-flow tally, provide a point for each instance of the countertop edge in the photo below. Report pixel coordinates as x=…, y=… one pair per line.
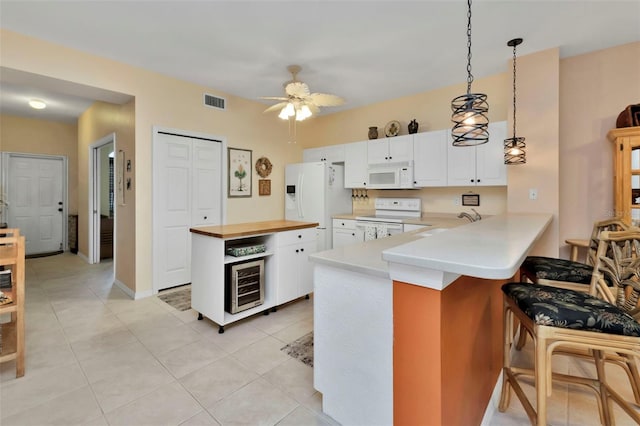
x=251, y=228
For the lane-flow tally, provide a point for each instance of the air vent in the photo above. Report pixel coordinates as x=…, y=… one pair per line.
x=215, y=102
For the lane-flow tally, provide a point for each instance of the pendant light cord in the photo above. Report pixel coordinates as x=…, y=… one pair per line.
x=514, y=91
x=469, y=75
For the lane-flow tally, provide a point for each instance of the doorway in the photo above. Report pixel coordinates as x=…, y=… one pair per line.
x=35, y=188
x=102, y=211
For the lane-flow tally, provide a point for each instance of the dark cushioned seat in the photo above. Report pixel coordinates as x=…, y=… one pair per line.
x=549, y=268
x=557, y=307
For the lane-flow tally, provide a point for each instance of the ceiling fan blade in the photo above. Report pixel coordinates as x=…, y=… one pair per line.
x=275, y=98
x=324, y=99
x=314, y=108
x=297, y=89
x=277, y=106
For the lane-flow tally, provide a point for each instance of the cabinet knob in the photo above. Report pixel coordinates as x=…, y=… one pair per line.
x=390, y=158
x=478, y=180
x=342, y=223
x=301, y=249
x=299, y=236
x=353, y=233
x=473, y=180
x=364, y=183
x=205, y=218
x=297, y=251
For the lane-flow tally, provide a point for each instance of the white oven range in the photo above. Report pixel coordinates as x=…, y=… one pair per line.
x=389, y=217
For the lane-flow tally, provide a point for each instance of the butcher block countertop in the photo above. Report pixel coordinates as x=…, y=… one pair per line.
x=252, y=228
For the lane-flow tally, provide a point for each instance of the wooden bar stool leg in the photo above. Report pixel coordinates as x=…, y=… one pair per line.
x=541, y=380
x=508, y=319
x=607, y=407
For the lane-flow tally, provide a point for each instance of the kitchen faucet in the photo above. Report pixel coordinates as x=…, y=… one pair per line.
x=468, y=216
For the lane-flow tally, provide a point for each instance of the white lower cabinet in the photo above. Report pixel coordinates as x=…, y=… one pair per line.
x=346, y=233
x=294, y=271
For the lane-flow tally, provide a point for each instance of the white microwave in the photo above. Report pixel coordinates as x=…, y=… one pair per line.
x=391, y=177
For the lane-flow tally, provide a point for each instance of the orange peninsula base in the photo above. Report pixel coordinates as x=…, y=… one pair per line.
x=447, y=351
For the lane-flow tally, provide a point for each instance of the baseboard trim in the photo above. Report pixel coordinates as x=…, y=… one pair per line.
x=83, y=257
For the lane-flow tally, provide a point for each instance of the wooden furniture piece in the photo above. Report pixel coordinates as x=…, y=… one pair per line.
x=573, y=323
x=12, y=257
x=626, y=182
x=106, y=237
x=576, y=244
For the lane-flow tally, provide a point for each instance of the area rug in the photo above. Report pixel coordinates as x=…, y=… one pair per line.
x=301, y=349
x=179, y=298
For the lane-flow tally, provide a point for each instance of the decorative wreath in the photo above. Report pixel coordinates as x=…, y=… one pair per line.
x=263, y=167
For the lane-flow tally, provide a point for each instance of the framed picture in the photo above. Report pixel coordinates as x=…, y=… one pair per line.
x=240, y=168
x=264, y=187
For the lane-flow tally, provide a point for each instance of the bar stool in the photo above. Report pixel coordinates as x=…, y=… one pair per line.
x=574, y=323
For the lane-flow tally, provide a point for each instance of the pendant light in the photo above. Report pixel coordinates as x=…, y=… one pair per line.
x=471, y=124
x=514, y=147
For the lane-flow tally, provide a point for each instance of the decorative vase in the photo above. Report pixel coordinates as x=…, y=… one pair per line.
x=413, y=127
x=373, y=132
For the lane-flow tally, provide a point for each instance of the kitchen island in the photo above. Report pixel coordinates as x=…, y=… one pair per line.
x=277, y=251
x=407, y=329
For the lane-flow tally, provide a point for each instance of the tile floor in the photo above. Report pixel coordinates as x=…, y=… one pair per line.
x=95, y=357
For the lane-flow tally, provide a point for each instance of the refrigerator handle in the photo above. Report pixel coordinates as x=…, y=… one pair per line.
x=299, y=197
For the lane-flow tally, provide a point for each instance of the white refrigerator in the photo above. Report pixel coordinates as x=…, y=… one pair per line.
x=314, y=192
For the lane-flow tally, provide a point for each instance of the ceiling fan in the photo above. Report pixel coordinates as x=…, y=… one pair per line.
x=299, y=102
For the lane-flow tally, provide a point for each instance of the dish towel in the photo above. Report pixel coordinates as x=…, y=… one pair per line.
x=382, y=231
x=369, y=232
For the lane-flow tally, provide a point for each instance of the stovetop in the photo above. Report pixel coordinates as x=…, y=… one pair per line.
x=394, y=210
x=381, y=218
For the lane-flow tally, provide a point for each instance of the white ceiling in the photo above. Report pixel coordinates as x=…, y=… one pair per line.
x=364, y=51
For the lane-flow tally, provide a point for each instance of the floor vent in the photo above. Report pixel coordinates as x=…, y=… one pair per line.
x=215, y=102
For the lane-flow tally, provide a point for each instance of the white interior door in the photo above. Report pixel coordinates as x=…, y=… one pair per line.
x=36, y=201
x=187, y=192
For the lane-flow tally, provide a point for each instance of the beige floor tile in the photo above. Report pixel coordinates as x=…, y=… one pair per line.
x=72, y=408
x=262, y=355
x=162, y=340
x=104, y=323
x=294, y=331
x=191, y=357
x=279, y=320
x=100, y=343
x=36, y=361
x=34, y=389
x=203, y=418
x=258, y=403
x=41, y=340
x=111, y=362
x=217, y=380
x=130, y=383
x=292, y=377
x=170, y=404
x=235, y=337
x=303, y=416
x=314, y=403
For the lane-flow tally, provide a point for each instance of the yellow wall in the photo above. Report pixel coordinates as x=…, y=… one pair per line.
x=28, y=135
x=594, y=89
x=538, y=121
x=100, y=120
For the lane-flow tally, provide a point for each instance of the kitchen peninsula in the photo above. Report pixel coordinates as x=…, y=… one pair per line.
x=407, y=329
x=243, y=269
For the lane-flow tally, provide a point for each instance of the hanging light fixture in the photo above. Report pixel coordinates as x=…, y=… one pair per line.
x=471, y=124
x=514, y=147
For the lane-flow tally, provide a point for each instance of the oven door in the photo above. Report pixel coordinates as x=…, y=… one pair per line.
x=372, y=230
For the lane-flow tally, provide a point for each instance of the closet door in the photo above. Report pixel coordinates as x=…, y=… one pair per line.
x=187, y=192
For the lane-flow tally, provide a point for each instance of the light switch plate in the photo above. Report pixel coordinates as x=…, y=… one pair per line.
x=533, y=194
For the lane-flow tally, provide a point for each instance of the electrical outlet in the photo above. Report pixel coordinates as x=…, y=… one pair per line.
x=456, y=201
x=533, y=194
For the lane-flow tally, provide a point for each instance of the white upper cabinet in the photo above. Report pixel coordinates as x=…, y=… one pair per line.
x=355, y=165
x=430, y=158
x=482, y=165
x=390, y=150
x=331, y=154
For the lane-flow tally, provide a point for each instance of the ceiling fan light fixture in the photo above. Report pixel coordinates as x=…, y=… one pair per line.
x=37, y=104
x=303, y=113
